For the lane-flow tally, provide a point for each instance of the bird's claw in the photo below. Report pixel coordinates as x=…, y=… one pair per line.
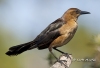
x=67, y=55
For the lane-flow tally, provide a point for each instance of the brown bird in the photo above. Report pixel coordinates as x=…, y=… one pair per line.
x=57, y=34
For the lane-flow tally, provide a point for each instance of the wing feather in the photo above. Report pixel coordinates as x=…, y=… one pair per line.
x=44, y=39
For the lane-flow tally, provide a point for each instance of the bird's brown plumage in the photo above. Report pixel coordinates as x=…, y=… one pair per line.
x=58, y=33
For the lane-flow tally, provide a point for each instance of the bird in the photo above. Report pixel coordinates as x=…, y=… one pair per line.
x=56, y=34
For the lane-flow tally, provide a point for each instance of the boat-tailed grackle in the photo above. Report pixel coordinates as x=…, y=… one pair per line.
x=57, y=34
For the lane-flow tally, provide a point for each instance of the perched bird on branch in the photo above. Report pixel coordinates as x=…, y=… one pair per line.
x=57, y=34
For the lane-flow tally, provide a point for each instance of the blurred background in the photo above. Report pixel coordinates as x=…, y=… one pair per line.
x=22, y=20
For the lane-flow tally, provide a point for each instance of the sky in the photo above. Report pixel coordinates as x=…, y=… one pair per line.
x=25, y=19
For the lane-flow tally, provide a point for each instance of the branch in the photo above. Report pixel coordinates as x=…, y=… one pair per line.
x=66, y=60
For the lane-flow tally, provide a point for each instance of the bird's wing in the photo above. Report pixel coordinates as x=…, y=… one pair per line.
x=44, y=39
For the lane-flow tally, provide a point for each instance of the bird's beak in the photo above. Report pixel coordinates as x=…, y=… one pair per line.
x=84, y=12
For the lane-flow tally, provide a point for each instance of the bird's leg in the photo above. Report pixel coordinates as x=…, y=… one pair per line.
x=50, y=49
x=59, y=50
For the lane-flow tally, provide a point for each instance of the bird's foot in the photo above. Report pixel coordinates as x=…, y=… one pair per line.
x=67, y=55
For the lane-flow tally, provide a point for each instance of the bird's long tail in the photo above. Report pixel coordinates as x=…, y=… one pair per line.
x=15, y=50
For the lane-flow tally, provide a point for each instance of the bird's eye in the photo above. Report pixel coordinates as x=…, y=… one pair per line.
x=77, y=11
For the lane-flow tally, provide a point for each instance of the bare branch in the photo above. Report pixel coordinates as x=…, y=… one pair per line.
x=66, y=60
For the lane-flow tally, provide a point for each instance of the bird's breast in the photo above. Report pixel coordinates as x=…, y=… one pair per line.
x=69, y=35
x=67, y=32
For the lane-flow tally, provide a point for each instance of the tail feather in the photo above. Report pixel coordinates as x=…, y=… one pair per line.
x=15, y=50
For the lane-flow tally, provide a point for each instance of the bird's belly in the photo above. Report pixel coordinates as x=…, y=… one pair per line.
x=68, y=38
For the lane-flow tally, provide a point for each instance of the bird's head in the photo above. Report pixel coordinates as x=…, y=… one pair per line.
x=74, y=13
